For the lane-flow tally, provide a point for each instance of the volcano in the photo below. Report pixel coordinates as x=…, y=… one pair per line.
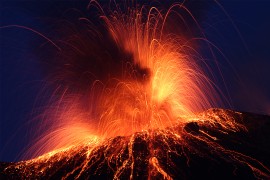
x=123, y=85
x=196, y=149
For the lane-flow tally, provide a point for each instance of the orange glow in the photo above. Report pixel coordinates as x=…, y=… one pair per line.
x=170, y=88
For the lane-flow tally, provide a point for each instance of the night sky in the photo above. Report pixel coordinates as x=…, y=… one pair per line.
x=244, y=41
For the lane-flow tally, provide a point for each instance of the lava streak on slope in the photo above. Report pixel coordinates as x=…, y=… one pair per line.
x=203, y=148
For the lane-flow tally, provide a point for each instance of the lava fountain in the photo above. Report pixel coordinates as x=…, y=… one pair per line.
x=133, y=79
x=155, y=82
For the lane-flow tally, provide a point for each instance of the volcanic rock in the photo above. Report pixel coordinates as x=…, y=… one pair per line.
x=219, y=144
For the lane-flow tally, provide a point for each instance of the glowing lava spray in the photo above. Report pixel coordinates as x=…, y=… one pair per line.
x=155, y=82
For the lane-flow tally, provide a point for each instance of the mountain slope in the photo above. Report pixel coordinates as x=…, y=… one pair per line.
x=218, y=144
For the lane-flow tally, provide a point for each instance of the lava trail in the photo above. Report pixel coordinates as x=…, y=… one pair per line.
x=215, y=145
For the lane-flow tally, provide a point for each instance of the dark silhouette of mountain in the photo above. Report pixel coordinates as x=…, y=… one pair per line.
x=218, y=144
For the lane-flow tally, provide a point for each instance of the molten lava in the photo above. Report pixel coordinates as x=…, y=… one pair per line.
x=214, y=146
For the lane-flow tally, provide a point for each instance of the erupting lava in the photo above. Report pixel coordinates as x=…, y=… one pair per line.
x=150, y=94
x=155, y=82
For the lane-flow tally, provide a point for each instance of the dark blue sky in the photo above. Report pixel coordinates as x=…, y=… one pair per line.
x=247, y=51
